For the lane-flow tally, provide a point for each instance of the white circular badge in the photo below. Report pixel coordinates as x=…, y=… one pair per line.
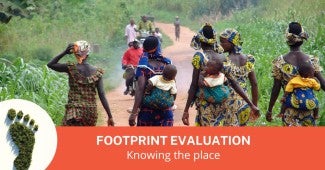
x=33, y=135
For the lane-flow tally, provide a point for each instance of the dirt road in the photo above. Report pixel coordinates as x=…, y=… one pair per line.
x=181, y=54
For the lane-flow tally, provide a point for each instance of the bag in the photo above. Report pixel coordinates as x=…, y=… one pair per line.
x=215, y=95
x=301, y=99
x=158, y=99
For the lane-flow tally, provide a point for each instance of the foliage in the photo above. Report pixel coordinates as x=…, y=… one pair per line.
x=37, y=84
x=19, y=8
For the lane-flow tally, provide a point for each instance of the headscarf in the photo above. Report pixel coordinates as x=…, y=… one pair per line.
x=152, y=48
x=233, y=36
x=202, y=38
x=293, y=38
x=150, y=44
x=81, y=48
x=197, y=39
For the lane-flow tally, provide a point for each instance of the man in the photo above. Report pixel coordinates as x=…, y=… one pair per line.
x=130, y=32
x=130, y=61
x=145, y=25
x=177, y=25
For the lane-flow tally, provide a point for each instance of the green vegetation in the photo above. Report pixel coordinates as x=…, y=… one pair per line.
x=35, y=83
x=54, y=24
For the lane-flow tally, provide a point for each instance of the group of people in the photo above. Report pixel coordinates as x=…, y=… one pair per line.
x=219, y=87
x=144, y=28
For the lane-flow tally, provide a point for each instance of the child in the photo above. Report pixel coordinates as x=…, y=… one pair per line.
x=160, y=92
x=299, y=91
x=158, y=34
x=212, y=82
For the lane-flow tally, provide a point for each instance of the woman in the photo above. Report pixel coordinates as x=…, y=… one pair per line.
x=239, y=67
x=84, y=79
x=208, y=114
x=151, y=63
x=285, y=68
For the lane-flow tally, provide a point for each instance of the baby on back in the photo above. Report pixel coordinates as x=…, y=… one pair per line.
x=212, y=82
x=299, y=91
x=160, y=92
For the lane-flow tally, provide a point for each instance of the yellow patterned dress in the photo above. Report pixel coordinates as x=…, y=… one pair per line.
x=284, y=71
x=238, y=111
x=208, y=114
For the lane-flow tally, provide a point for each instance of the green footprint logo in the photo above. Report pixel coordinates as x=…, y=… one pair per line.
x=22, y=134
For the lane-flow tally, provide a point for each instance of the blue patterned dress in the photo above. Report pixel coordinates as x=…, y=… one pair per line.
x=208, y=114
x=238, y=109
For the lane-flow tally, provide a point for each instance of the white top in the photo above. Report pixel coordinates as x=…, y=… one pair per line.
x=213, y=80
x=159, y=82
x=130, y=33
x=158, y=35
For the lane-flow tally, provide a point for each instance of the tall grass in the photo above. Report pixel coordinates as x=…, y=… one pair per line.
x=22, y=80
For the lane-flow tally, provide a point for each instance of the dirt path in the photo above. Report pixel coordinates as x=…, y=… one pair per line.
x=181, y=54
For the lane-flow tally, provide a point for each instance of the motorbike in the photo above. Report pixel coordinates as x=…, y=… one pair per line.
x=143, y=34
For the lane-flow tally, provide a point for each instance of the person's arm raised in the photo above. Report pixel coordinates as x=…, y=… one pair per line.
x=54, y=65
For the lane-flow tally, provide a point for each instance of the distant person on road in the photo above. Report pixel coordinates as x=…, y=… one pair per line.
x=130, y=62
x=130, y=32
x=84, y=79
x=158, y=34
x=177, y=25
x=145, y=25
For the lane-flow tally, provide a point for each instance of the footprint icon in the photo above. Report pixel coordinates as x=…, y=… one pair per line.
x=21, y=130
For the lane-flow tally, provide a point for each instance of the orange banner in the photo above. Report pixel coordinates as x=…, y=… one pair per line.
x=188, y=148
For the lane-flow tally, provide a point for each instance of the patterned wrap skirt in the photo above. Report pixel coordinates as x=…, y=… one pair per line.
x=80, y=116
x=294, y=117
x=150, y=117
x=209, y=114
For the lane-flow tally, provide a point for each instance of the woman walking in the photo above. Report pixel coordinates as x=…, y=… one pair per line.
x=240, y=67
x=151, y=63
x=209, y=114
x=84, y=79
x=284, y=68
